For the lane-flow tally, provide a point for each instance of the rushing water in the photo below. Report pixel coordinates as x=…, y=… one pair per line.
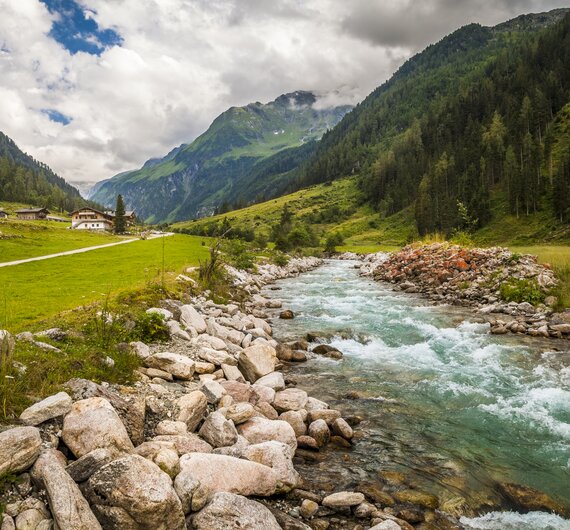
x=448, y=404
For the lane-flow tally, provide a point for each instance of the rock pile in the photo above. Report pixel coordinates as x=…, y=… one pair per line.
x=210, y=421
x=473, y=277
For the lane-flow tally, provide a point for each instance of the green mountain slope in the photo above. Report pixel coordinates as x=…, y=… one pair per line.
x=466, y=116
x=25, y=180
x=247, y=153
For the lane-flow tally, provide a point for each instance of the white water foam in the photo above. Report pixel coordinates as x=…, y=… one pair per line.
x=516, y=521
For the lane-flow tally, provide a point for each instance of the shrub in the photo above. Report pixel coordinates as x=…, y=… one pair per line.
x=333, y=240
x=150, y=327
x=238, y=254
x=522, y=291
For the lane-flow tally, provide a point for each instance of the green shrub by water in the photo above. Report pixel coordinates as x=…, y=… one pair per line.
x=522, y=291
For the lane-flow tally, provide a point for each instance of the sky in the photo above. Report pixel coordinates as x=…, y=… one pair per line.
x=96, y=87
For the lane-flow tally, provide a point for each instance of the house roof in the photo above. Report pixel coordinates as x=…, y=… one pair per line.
x=90, y=209
x=32, y=210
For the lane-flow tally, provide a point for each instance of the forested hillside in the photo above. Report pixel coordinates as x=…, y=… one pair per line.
x=25, y=180
x=482, y=110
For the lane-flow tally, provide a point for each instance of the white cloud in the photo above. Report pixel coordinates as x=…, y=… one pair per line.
x=182, y=62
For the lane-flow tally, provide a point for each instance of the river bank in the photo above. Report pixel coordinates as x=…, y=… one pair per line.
x=513, y=292
x=447, y=408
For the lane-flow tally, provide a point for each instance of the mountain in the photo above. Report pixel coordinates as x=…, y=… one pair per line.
x=247, y=154
x=467, y=118
x=23, y=179
x=470, y=135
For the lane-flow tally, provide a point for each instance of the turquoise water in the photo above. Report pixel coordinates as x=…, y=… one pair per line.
x=447, y=403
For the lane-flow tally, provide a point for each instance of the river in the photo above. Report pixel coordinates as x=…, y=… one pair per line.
x=453, y=408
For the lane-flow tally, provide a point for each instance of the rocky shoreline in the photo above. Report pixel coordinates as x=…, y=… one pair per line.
x=475, y=278
x=211, y=422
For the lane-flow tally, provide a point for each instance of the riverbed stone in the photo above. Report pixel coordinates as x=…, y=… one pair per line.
x=266, y=410
x=82, y=468
x=192, y=409
x=329, y=415
x=341, y=428
x=51, y=407
x=190, y=318
x=308, y=509
x=185, y=443
x=226, y=473
x=240, y=412
x=240, y=391
x=274, y=380
x=319, y=431
x=263, y=393
x=216, y=357
x=290, y=399
x=295, y=419
x=227, y=511
x=232, y=373
x=307, y=442
x=256, y=361
x=19, y=449
x=178, y=365
x=530, y=499
x=315, y=404
x=67, y=504
x=213, y=391
x=278, y=456
x=133, y=493
x=171, y=427
x=421, y=498
x=387, y=525
x=218, y=431
x=343, y=499
x=258, y=430
x=93, y=423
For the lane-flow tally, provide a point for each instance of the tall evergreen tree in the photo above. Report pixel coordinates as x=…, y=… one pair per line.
x=120, y=221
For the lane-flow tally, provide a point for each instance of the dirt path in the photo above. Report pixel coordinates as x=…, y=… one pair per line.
x=79, y=250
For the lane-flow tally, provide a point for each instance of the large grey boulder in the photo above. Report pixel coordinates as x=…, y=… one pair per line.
x=216, y=357
x=46, y=409
x=274, y=380
x=178, y=365
x=19, y=449
x=258, y=430
x=227, y=511
x=279, y=457
x=190, y=318
x=185, y=443
x=192, y=409
x=68, y=506
x=343, y=499
x=218, y=431
x=256, y=361
x=92, y=424
x=82, y=468
x=213, y=391
x=132, y=493
x=226, y=473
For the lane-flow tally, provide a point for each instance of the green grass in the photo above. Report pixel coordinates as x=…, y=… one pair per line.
x=38, y=290
x=28, y=239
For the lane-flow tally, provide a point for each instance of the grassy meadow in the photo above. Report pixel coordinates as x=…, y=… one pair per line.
x=34, y=291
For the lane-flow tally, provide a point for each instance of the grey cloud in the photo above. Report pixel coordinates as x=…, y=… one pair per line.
x=413, y=25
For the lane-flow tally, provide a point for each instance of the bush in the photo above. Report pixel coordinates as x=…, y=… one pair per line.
x=280, y=259
x=150, y=327
x=333, y=240
x=238, y=254
x=522, y=291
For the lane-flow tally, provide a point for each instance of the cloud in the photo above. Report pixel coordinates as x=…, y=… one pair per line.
x=173, y=65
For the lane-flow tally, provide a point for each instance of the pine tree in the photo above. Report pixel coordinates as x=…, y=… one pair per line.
x=120, y=221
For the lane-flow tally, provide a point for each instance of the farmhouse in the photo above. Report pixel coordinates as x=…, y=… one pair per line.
x=3, y=214
x=32, y=214
x=92, y=219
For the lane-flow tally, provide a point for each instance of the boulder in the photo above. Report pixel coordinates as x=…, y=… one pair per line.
x=278, y=456
x=315, y=404
x=192, y=409
x=274, y=380
x=29, y=519
x=329, y=415
x=319, y=430
x=256, y=361
x=258, y=430
x=82, y=468
x=132, y=493
x=176, y=330
x=234, y=475
x=342, y=428
x=216, y=357
x=19, y=449
x=343, y=499
x=213, y=391
x=48, y=408
x=387, y=525
x=295, y=419
x=185, y=443
x=190, y=318
x=169, y=427
x=164, y=313
x=178, y=365
x=204, y=368
x=140, y=349
x=227, y=511
x=236, y=450
x=287, y=314
x=211, y=342
x=92, y=424
x=232, y=373
x=240, y=391
x=529, y=499
x=290, y=399
x=239, y=412
x=306, y=442
x=218, y=431
x=266, y=410
x=185, y=486
x=423, y=499
x=68, y=506
x=308, y=508
x=263, y=393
